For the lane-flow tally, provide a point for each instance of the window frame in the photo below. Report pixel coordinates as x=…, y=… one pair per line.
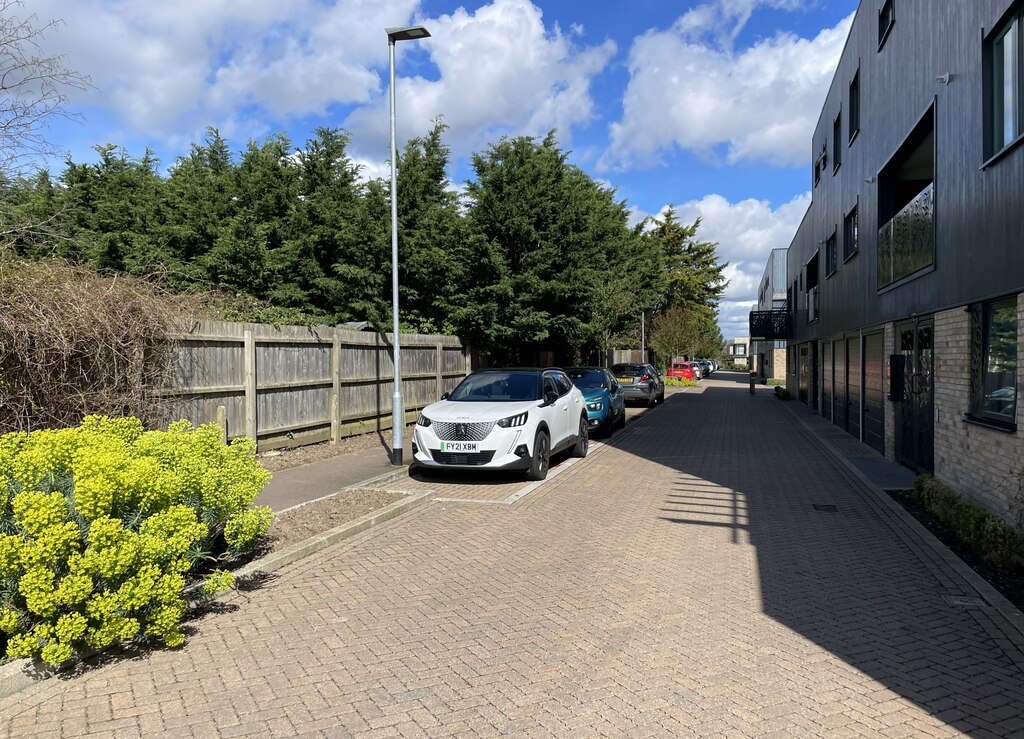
x=853, y=213
x=981, y=314
x=994, y=107
x=831, y=254
x=883, y=33
x=837, y=141
x=853, y=114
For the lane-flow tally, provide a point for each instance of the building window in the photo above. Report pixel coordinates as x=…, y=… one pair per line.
x=837, y=147
x=854, y=114
x=886, y=18
x=830, y=255
x=994, y=361
x=811, y=281
x=820, y=163
x=1005, y=70
x=851, y=240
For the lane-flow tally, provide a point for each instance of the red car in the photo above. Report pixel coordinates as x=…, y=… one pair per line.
x=682, y=370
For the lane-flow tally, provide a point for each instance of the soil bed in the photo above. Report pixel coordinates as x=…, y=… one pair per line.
x=1009, y=583
x=310, y=519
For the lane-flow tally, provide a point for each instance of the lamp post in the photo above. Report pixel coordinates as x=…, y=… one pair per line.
x=408, y=33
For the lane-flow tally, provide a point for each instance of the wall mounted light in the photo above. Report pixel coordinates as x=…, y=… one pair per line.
x=870, y=180
x=944, y=78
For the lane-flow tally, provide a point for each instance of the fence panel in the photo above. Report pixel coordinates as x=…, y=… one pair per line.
x=293, y=385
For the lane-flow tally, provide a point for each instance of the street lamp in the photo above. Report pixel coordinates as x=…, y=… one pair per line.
x=409, y=33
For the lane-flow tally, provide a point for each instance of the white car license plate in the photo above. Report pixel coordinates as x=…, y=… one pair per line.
x=460, y=446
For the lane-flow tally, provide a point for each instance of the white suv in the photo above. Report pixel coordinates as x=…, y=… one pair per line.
x=503, y=419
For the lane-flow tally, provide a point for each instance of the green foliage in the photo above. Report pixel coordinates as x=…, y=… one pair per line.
x=102, y=523
x=782, y=393
x=537, y=256
x=987, y=535
x=680, y=382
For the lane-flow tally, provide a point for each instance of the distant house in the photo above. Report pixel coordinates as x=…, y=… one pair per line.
x=738, y=351
x=771, y=320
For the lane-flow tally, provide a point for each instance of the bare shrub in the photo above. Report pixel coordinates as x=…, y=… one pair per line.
x=73, y=342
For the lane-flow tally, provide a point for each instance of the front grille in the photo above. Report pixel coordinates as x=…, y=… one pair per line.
x=474, y=458
x=447, y=431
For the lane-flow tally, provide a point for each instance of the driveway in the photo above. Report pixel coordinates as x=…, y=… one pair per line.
x=731, y=581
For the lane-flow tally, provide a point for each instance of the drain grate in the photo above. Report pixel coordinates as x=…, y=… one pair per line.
x=965, y=601
x=825, y=508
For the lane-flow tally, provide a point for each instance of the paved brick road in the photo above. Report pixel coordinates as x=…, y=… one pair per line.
x=679, y=582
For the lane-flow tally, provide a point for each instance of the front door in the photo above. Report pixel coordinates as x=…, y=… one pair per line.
x=853, y=372
x=804, y=377
x=839, y=404
x=915, y=433
x=874, y=408
x=826, y=380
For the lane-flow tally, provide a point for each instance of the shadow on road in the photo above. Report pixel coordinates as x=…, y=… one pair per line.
x=831, y=567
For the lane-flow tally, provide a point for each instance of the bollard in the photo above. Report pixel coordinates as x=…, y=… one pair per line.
x=751, y=383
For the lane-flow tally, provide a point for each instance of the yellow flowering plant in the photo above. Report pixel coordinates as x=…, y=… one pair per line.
x=109, y=531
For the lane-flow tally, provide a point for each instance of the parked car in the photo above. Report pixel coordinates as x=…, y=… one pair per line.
x=698, y=371
x=705, y=367
x=640, y=382
x=681, y=370
x=503, y=419
x=606, y=401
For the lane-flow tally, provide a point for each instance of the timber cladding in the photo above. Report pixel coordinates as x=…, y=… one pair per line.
x=293, y=385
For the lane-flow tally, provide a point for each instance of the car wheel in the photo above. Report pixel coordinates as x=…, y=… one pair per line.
x=583, y=440
x=541, y=457
x=622, y=417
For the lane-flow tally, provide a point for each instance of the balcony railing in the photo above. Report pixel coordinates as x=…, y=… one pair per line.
x=812, y=304
x=770, y=325
x=907, y=242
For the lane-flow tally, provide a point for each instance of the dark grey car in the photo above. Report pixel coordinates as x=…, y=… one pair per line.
x=640, y=382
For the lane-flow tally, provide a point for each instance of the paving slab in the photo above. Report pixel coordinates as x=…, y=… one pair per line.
x=736, y=581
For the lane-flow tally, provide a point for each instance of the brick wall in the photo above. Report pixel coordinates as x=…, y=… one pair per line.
x=778, y=365
x=980, y=463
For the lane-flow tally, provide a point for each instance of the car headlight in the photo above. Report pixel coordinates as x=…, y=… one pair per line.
x=423, y=421
x=595, y=405
x=513, y=421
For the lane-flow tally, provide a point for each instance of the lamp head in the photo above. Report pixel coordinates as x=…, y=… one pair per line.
x=406, y=33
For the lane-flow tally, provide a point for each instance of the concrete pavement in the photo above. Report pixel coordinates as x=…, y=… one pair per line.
x=712, y=571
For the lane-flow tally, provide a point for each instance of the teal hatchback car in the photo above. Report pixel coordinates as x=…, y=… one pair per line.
x=606, y=401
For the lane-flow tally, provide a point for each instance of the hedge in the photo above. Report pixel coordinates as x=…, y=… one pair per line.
x=109, y=532
x=990, y=537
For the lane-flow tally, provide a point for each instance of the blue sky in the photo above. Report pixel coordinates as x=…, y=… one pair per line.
x=705, y=104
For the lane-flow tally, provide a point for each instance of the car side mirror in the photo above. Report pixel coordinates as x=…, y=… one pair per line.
x=615, y=387
x=550, y=397
x=444, y=396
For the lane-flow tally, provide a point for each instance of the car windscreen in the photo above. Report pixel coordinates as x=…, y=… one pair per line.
x=628, y=370
x=587, y=378
x=498, y=386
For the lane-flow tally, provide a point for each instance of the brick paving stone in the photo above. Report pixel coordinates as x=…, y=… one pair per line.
x=673, y=584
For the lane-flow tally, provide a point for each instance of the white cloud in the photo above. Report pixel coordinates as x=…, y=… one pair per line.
x=689, y=89
x=163, y=67
x=166, y=71
x=746, y=232
x=501, y=71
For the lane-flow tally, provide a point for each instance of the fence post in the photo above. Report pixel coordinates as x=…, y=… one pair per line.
x=335, y=415
x=222, y=421
x=440, y=369
x=250, y=386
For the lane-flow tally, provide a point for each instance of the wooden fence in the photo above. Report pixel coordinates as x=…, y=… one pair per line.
x=293, y=385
